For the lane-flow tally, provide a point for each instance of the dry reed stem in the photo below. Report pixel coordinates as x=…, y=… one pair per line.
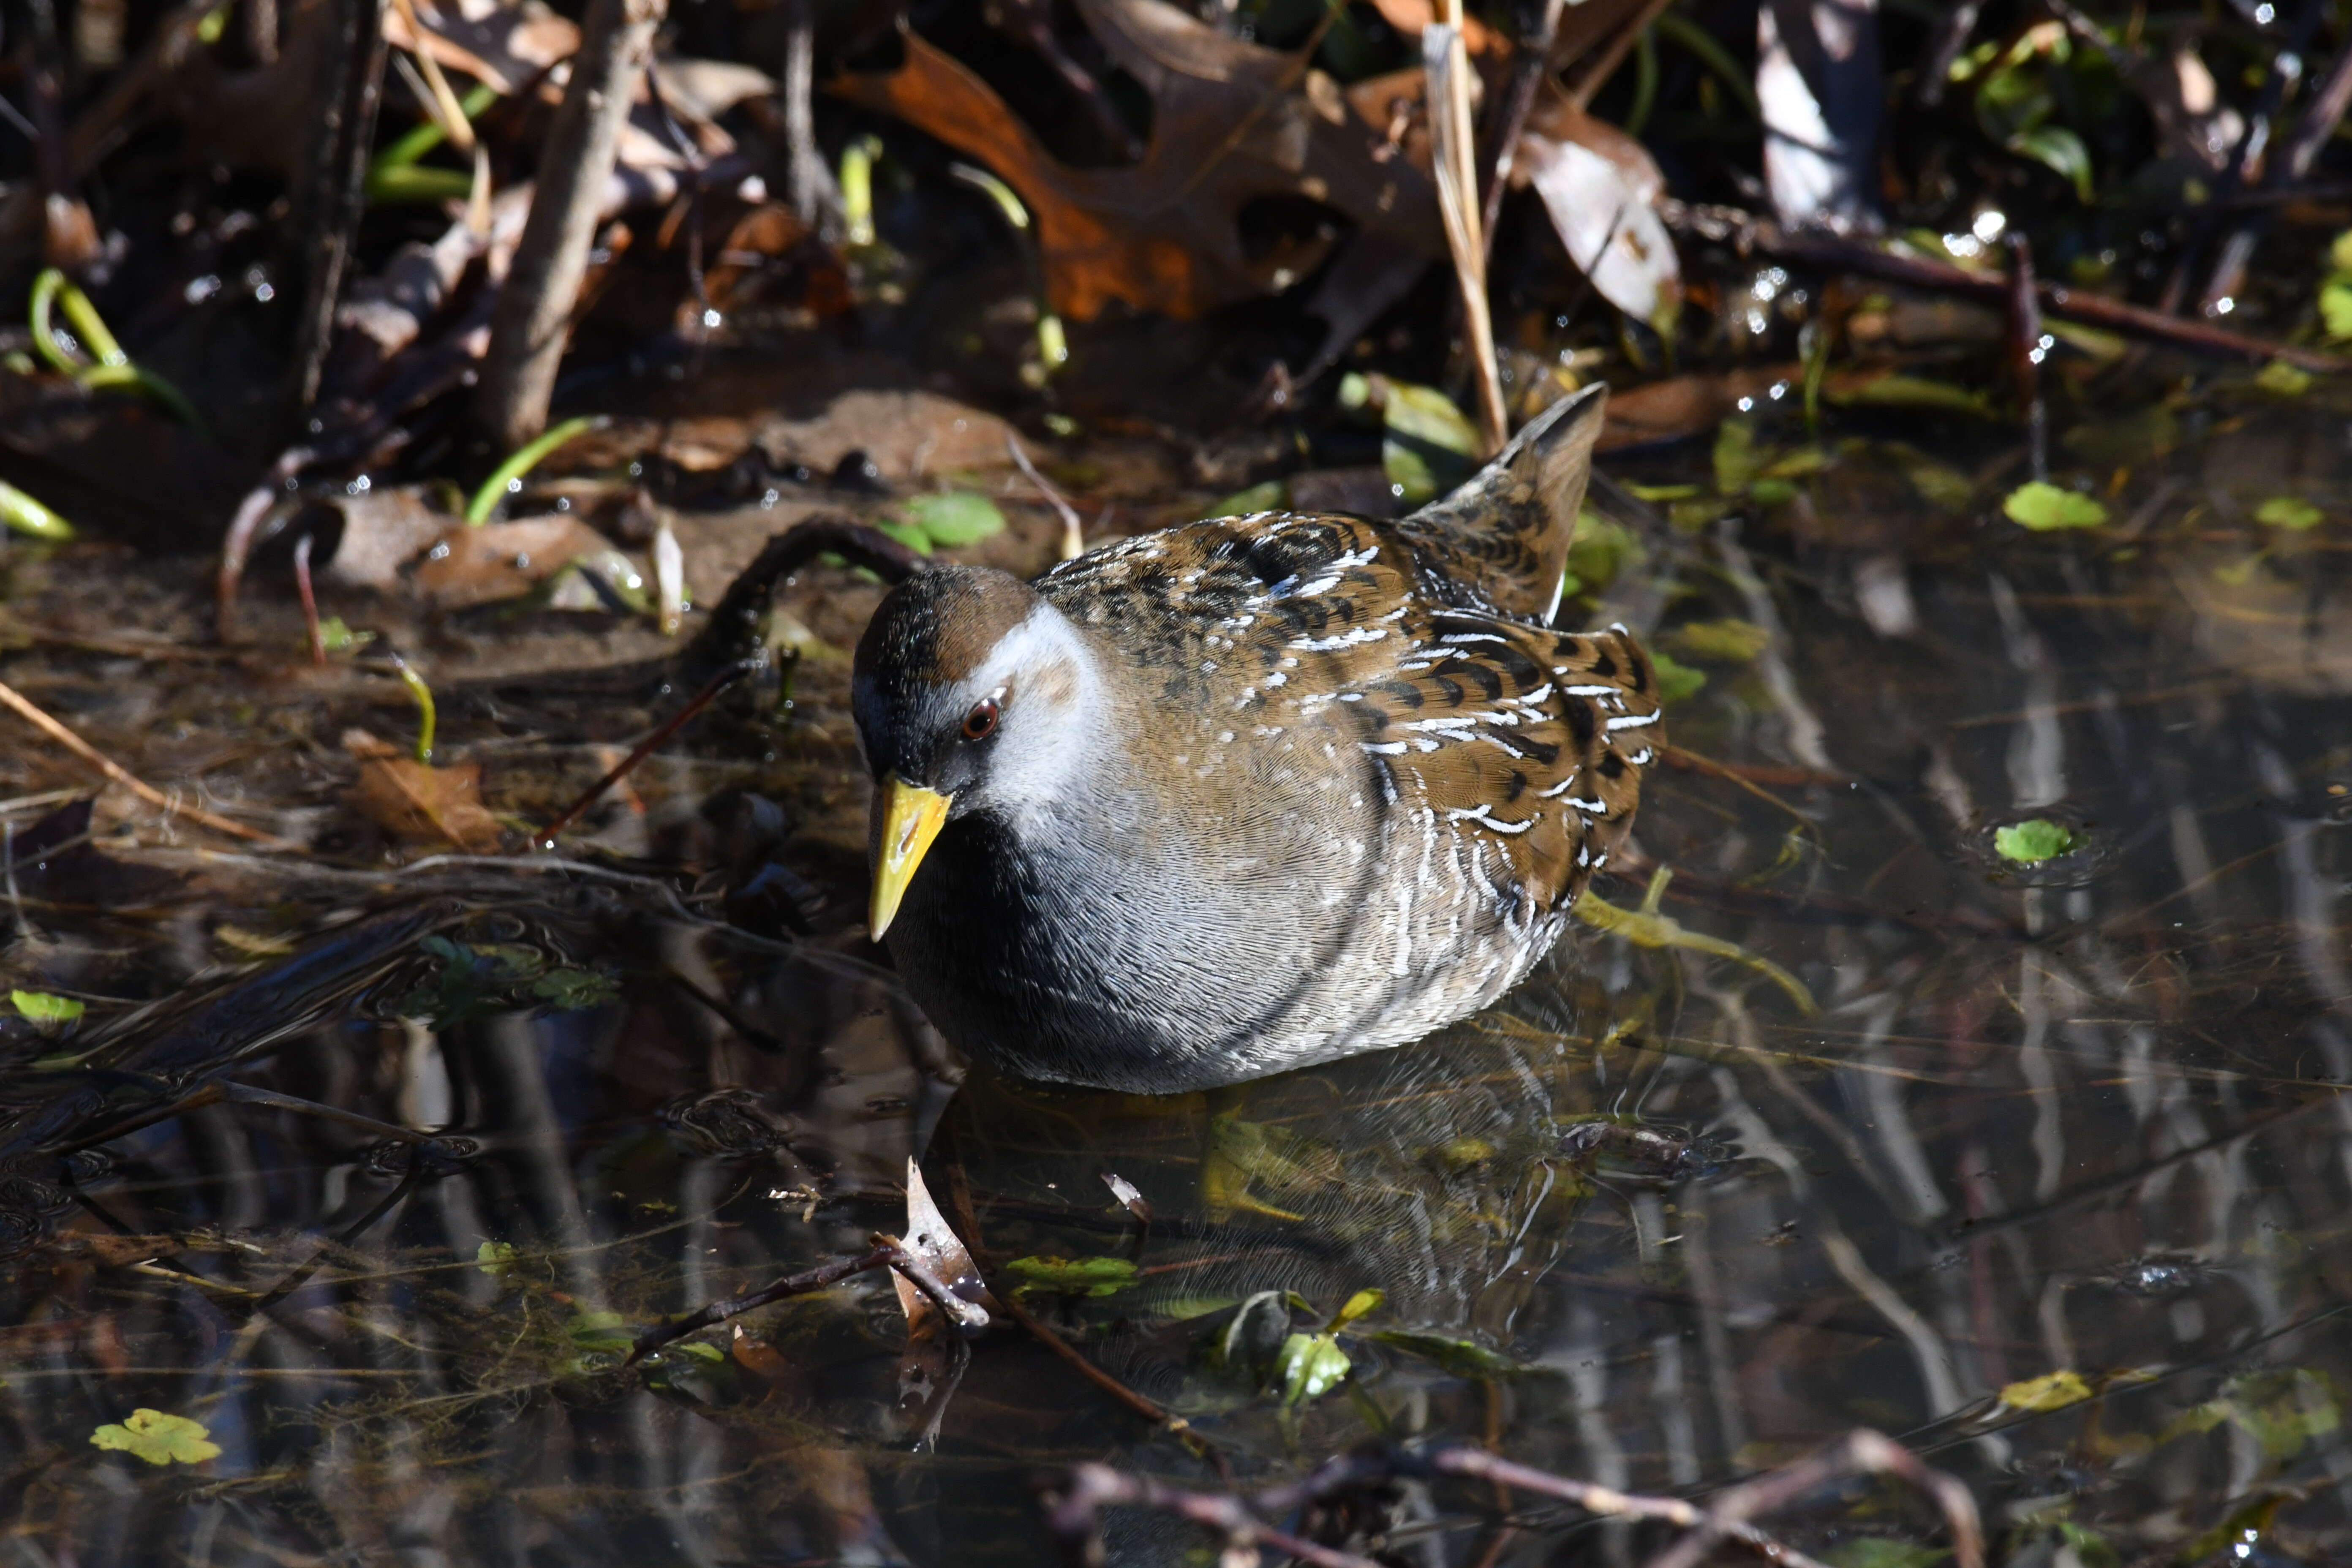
x=34, y=715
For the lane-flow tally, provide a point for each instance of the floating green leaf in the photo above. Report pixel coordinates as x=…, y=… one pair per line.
x=45, y=1009
x=1911, y=392
x=158, y=1439
x=2288, y=511
x=1271, y=496
x=2335, y=306
x=1874, y=1551
x=2034, y=840
x=1073, y=1275
x=1462, y=1358
x=1309, y=1366
x=1430, y=446
x=2043, y=507
x=2284, y=379
x=1357, y=1305
x=1737, y=460
x=1676, y=681
x=954, y=519
x=337, y=637
x=1724, y=641
x=495, y=1258
x=907, y=533
x=2052, y=1391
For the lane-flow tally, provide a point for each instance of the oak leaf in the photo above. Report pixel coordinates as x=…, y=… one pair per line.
x=1233, y=123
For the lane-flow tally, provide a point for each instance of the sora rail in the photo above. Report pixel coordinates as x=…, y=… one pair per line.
x=1254, y=793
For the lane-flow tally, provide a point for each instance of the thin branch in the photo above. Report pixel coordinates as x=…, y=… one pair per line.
x=1073, y=541
x=1832, y=253
x=48, y=726
x=533, y=317
x=1074, y=1502
x=338, y=185
x=1074, y=1505
x=644, y=748
x=888, y=1253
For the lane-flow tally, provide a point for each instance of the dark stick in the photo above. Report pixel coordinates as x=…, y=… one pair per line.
x=69, y=236
x=960, y=1195
x=1529, y=63
x=1859, y=1451
x=338, y=185
x=2292, y=162
x=1140, y=1404
x=1944, y=46
x=1074, y=1503
x=2026, y=349
x=2285, y=69
x=734, y=632
x=888, y=1253
x=1074, y=1514
x=1479, y=1465
x=1830, y=253
x=644, y=748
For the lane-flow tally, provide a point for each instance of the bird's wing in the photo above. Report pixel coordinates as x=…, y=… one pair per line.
x=1533, y=738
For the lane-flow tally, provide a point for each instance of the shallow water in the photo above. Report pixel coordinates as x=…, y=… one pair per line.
x=2084, y=1117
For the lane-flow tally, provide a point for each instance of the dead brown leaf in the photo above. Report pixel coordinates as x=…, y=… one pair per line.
x=1686, y=404
x=502, y=560
x=772, y=262
x=1232, y=123
x=936, y=1244
x=426, y=804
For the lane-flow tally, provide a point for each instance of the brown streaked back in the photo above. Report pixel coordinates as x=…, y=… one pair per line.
x=1507, y=531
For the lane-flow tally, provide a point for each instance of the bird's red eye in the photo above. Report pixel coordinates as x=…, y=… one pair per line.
x=980, y=722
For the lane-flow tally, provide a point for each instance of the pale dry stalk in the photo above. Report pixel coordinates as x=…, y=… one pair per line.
x=1453, y=152
x=36, y=716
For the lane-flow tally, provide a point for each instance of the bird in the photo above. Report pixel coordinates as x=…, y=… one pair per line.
x=1252, y=793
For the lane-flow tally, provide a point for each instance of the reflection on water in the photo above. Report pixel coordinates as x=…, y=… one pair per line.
x=2078, y=1117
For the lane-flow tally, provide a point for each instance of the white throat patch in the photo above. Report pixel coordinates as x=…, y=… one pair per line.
x=1052, y=737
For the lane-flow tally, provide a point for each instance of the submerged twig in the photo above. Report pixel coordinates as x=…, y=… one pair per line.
x=1075, y=1501
x=645, y=748
x=888, y=1253
x=32, y=713
x=1645, y=927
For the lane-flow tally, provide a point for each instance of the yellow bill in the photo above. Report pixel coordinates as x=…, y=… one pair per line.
x=910, y=817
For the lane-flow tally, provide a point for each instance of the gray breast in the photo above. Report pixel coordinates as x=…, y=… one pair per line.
x=1146, y=960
